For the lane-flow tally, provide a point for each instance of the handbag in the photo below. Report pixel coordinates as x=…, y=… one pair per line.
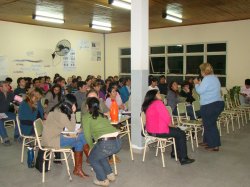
x=39, y=162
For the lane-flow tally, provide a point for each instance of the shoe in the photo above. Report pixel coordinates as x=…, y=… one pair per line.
x=101, y=183
x=187, y=160
x=203, y=144
x=111, y=177
x=7, y=143
x=216, y=149
x=78, y=165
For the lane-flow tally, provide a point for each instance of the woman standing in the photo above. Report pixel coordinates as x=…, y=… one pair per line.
x=97, y=127
x=211, y=106
x=61, y=116
x=158, y=124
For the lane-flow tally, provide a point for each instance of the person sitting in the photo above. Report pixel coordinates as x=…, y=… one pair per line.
x=72, y=88
x=245, y=93
x=61, y=116
x=53, y=97
x=153, y=84
x=21, y=87
x=6, y=97
x=9, y=80
x=81, y=94
x=173, y=98
x=186, y=92
x=98, y=127
x=124, y=93
x=114, y=95
x=163, y=86
x=97, y=87
x=158, y=124
x=29, y=111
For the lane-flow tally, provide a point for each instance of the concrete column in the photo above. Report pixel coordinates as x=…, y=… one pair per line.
x=139, y=66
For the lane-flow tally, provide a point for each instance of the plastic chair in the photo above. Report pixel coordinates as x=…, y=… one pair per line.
x=47, y=156
x=26, y=140
x=162, y=143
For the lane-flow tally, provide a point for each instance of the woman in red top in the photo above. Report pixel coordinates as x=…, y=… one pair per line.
x=158, y=123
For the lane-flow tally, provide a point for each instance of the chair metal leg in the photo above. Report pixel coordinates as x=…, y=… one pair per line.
x=114, y=160
x=24, y=140
x=157, y=148
x=129, y=139
x=196, y=136
x=73, y=157
x=144, y=152
x=191, y=138
x=175, y=152
x=67, y=165
x=162, y=155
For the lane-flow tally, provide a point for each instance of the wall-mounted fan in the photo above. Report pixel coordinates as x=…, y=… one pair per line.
x=62, y=48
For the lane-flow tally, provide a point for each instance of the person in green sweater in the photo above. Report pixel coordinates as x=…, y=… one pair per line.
x=107, y=142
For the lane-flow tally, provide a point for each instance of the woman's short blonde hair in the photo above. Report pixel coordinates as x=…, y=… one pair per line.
x=206, y=68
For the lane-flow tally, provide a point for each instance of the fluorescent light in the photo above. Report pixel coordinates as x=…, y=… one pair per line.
x=48, y=19
x=172, y=18
x=121, y=4
x=100, y=25
x=104, y=24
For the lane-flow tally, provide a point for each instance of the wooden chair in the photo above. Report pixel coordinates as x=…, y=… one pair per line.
x=47, y=156
x=162, y=143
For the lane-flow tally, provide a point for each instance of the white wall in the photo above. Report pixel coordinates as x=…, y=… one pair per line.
x=236, y=34
x=20, y=41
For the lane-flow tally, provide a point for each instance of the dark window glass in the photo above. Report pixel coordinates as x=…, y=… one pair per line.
x=218, y=62
x=125, y=65
x=193, y=63
x=178, y=79
x=195, y=48
x=175, y=64
x=216, y=47
x=175, y=49
x=157, y=50
x=126, y=51
x=157, y=65
x=222, y=81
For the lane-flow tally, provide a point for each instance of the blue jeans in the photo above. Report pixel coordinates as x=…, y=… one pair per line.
x=27, y=130
x=77, y=142
x=3, y=133
x=98, y=157
x=209, y=115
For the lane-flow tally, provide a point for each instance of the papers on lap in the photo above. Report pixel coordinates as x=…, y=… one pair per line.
x=3, y=116
x=77, y=127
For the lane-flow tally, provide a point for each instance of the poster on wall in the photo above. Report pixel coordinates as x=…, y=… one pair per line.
x=95, y=52
x=84, y=44
x=3, y=68
x=69, y=61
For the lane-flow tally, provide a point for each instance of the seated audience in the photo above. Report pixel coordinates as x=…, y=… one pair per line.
x=123, y=91
x=153, y=84
x=81, y=94
x=98, y=127
x=97, y=87
x=163, y=86
x=72, y=88
x=186, y=92
x=6, y=97
x=158, y=123
x=29, y=110
x=62, y=116
x=245, y=93
x=9, y=80
x=53, y=97
x=114, y=95
x=21, y=87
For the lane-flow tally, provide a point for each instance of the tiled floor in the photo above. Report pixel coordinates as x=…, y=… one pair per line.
x=227, y=168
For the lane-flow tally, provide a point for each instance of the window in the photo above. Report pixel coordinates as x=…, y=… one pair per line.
x=179, y=62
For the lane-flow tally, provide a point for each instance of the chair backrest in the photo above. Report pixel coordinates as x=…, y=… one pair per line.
x=143, y=123
x=195, y=95
x=196, y=107
x=78, y=117
x=38, y=128
x=181, y=109
x=18, y=126
x=171, y=113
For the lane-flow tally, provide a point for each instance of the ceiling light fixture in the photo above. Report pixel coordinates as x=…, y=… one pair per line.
x=47, y=19
x=100, y=26
x=121, y=4
x=171, y=17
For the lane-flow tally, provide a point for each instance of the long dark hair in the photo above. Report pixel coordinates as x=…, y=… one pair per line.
x=59, y=93
x=66, y=104
x=149, y=98
x=93, y=106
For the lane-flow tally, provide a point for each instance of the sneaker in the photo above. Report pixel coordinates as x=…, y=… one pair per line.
x=111, y=177
x=101, y=183
x=6, y=143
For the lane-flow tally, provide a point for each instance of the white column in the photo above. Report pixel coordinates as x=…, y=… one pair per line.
x=139, y=65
